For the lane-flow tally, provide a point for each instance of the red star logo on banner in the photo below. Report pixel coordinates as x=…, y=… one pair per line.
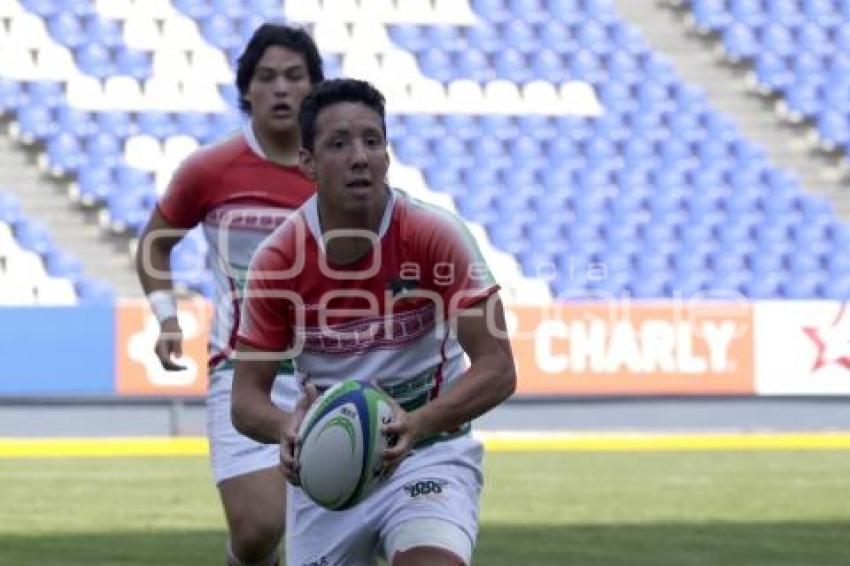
x=832, y=342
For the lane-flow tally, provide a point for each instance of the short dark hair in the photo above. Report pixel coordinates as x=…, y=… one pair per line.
x=332, y=92
x=265, y=36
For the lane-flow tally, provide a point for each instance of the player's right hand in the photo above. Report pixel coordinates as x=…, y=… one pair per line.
x=289, y=437
x=169, y=343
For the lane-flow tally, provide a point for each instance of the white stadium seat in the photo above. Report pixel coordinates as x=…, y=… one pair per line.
x=211, y=64
x=400, y=66
x=378, y=11
x=343, y=10
x=10, y=9
x=16, y=62
x=8, y=243
x=55, y=62
x=25, y=264
x=55, y=291
x=162, y=93
x=16, y=290
x=578, y=97
x=414, y=11
x=114, y=9
x=303, y=11
x=502, y=97
x=158, y=9
x=142, y=33
x=143, y=152
x=541, y=97
x=181, y=32
x=121, y=92
x=428, y=95
x=332, y=36
x=85, y=92
x=202, y=96
x=370, y=36
x=28, y=30
x=453, y=12
x=170, y=64
x=465, y=96
x=361, y=64
x=177, y=148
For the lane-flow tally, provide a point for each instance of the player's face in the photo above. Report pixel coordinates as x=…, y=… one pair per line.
x=349, y=161
x=279, y=84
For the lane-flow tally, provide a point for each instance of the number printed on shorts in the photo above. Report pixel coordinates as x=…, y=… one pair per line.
x=425, y=487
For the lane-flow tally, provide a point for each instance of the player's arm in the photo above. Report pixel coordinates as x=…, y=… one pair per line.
x=252, y=410
x=255, y=415
x=490, y=379
x=153, y=265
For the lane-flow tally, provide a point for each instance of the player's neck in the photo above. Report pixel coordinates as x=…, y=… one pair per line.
x=281, y=148
x=348, y=250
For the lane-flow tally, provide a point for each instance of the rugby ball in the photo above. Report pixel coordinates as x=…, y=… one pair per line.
x=341, y=444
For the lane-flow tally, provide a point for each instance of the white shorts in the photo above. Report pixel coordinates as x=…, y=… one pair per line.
x=431, y=500
x=231, y=453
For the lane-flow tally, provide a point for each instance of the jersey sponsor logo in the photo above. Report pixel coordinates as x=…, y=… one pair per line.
x=423, y=487
x=366, y=334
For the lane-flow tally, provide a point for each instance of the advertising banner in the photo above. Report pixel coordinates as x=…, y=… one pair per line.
x=137, y=369
x=802, y=348
x=57, y=350
x=633, y=349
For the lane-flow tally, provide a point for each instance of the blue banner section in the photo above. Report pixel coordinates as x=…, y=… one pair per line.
x=57, y=350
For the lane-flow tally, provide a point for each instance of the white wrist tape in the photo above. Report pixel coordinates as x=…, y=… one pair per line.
x=163, y=305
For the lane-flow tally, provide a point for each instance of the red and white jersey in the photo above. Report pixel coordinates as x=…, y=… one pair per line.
x=384, y=318
x=239, y=197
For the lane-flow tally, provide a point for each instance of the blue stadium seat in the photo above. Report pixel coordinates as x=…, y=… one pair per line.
x=785, y=12
x=233, y=9
x=35, y=123
x=95, y=59
x=824, y=13
x=12, y=95
x=748, y=12
x=94, y=291
x=65, y=153
x=74, y=121
x=59, y=263
x=549, y=65
x=473, y=64
x=34, y=236
x=116, y=122
x=219, y=31
x=197, y=125
x=513, y=65
x=10, y=208
x=156, y=123
x=128, y=209
x=94, y=183
x=104, y=149
x=43, y=8
x=412, y=37
x=106, y=31
x=446, y=37
x=67, y=29
x=133, y=63
x=46, y=93
x=495, y=11
x=437, y=64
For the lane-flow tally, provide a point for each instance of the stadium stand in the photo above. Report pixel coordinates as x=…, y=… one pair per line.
x=34, y=269
x=572, y=147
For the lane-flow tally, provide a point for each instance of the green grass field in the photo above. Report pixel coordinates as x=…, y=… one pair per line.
x=642, y=508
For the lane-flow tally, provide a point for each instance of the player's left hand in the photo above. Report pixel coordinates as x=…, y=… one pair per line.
x=402, y=433
x=289, y=446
